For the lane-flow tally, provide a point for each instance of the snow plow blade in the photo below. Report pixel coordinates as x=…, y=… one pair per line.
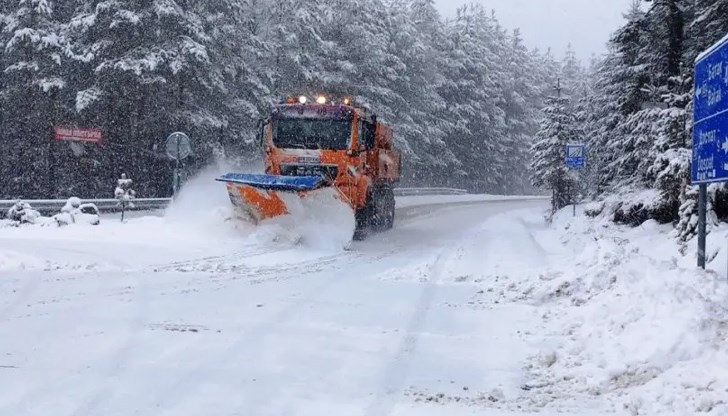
x=260, y=196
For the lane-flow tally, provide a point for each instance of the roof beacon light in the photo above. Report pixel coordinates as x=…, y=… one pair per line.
x=321, y=100
x=302, y=99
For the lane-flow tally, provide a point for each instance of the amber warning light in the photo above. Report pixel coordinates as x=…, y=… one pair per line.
x=321, y=99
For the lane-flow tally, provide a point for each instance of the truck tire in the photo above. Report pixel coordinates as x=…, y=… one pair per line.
x=365, y=218
x=377, y=214
x=384, y=209
x=390, y=208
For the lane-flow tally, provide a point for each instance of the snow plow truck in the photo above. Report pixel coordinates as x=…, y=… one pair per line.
x=311, y=144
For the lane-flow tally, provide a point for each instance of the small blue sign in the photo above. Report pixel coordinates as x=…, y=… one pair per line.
x=710, y=116
x=575, y=156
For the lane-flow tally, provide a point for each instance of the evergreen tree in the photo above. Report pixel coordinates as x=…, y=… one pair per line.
x=600, y=120
x=708, y=26
x=522, y=103
x=461, y=95
x=557, y=129
x=473, y=97
x=35, y=51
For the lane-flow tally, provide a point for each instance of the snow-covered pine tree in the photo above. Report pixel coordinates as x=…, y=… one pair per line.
x=139, y=70
x=618, y=93
x=472, y=96
x=574, y=78
x=415, y=35
x=6, y=163
x=708, y=25
x=599, y=119
x=505, y=145
x=557, y=129
x=238, y=54
x=298, y=53
x=35, y=50
x=657, y=135
x=522, y=94
x=624, y=134
x=145, y=83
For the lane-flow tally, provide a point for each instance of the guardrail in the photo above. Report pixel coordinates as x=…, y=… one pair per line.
x=429, y=191
x=53, y=206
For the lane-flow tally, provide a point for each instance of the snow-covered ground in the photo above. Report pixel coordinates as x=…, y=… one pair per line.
x=468, y=306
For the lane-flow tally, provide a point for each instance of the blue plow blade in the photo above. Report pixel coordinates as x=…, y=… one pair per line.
x=274, y=183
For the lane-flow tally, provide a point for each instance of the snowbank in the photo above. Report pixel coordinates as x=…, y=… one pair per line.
x=631, y=322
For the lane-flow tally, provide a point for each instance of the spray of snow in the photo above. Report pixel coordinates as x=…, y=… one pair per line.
x=202, y=204
x=319, y=222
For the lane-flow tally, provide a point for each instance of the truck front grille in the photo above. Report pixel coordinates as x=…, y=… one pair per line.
x=326, y=171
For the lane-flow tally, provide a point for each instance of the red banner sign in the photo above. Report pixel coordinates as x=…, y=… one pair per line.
x=78, y=135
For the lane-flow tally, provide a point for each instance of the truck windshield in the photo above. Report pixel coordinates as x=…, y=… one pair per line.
x=301, y=133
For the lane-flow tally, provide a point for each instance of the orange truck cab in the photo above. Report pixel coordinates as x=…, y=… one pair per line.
x=309, y=145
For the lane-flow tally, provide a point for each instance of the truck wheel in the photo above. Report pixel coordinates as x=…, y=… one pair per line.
x=390, y=209
x=365, y=218
x=383, y=210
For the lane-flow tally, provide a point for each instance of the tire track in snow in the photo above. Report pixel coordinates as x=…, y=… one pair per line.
x=27, y=290
x=118, y=364
x=397, y=371
x=115, y=365
x=186, y=385
x=395, y=375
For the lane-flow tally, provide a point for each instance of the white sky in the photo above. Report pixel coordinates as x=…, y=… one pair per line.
x=587, y=24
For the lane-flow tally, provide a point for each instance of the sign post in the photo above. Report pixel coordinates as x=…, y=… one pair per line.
x=575, y=160
x=178, y=148
x=710, y=130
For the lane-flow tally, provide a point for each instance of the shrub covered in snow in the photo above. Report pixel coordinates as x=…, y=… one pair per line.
x=124, y=193
x=22, y=213
x=76, y=212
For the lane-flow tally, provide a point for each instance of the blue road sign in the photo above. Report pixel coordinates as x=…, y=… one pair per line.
x=710, y=118
x=575, y=156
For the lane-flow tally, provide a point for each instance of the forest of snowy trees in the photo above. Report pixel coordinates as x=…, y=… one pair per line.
x=635, y=116
x=471, y=104
x=463, y=94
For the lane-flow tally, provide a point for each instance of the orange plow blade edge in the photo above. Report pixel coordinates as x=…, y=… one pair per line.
x=258, y=196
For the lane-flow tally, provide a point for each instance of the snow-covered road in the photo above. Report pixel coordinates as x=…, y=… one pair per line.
x=144, y=319
x=470, y=305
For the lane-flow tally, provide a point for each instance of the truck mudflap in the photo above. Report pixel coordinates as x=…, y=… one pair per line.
x=262, y=197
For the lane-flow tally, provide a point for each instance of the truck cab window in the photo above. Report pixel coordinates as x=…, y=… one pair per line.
x=368, y=134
